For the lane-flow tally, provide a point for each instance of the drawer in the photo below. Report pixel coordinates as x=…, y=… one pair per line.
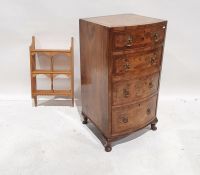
x=137, y=62
x=135, y=89
x=136, y=38
x=133, y=117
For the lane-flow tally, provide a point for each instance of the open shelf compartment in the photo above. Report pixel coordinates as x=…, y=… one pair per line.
x=51, y=53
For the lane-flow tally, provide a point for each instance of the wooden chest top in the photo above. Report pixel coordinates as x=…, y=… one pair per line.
x=122, y=20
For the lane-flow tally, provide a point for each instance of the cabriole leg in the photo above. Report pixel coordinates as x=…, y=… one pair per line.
x=153, y=124
x=35, y=100
x=85, y=119
x=108, y=146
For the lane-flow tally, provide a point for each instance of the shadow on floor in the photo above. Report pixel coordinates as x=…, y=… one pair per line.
x=121, y=140
x=56, y=101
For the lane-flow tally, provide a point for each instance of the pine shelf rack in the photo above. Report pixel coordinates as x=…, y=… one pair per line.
x=34, y=71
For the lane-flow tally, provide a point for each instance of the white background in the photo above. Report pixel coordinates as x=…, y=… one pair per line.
x=51, y=140
x=54, y=22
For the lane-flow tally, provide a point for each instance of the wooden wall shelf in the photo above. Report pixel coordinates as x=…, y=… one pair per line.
x=34, y=72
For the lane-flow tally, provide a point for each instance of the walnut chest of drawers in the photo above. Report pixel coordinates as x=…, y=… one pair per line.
x=121, y=58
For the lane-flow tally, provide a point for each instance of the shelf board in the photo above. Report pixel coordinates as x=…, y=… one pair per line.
x=51, y=50
x=35, y=72
x=53, y=92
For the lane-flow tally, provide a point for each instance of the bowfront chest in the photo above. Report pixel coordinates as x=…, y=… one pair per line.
x=121, y=58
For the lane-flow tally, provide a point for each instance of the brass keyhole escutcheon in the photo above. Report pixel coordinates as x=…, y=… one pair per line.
x=123, y=119
x=125, y=93
x=126, y=66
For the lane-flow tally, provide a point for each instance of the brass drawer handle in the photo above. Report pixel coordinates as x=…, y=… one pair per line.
x=126, y=93
x=123, y=119
x=126, y=66
x=148, y=111
x=129, y=41
x=156, y=37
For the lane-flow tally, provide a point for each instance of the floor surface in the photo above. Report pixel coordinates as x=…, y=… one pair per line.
x=51, y=140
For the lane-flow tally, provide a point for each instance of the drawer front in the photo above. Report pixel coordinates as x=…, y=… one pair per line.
x=133, y=117
x=136, y=62
x=134, y=38
x=141, y=87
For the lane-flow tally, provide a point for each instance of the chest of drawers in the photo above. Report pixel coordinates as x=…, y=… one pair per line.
x=121, y=58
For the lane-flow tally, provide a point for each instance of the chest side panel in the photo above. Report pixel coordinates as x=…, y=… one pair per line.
x=94, y=73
